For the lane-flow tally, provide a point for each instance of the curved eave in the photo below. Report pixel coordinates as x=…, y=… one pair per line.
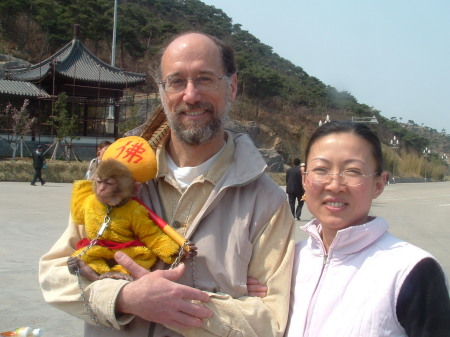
x=75, y=62
x=22, y=89
x=38, y=71
x=81, y=64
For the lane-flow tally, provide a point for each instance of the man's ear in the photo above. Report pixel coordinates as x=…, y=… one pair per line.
x=234, y=88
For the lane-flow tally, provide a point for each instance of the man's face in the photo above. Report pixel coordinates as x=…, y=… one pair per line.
x=196, y=116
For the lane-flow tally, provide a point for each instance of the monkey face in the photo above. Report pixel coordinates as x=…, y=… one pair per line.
x=113, y=182
x=110, y=191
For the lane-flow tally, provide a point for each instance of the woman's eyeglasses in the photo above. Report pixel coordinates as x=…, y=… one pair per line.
x=347, y=177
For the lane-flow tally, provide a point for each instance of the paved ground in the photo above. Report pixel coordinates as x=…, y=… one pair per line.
x=32, y=218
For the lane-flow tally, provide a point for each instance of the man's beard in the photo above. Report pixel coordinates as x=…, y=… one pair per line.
x=195, y=133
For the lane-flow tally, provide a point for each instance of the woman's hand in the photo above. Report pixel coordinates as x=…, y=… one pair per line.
x=255, y=289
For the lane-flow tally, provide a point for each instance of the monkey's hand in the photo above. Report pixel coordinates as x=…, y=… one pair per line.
x=74, y=264
x=117, y=276
x=192, y=251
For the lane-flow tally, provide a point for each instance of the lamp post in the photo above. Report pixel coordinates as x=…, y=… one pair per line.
x=426, y=153
x=395, y=144
x=113, y=49
x=113, y=58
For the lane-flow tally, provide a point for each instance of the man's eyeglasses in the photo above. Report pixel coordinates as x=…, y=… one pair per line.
x=204, y=82
x=347, y=177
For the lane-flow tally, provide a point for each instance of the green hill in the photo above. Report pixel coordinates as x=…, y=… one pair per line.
x=273, y=92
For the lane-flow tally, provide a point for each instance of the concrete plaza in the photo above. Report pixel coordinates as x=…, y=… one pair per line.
x=33, y=217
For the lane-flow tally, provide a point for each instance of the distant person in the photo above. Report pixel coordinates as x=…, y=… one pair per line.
x=38, y=164
x=101, y=148
x=294, y=188
x=352, y=277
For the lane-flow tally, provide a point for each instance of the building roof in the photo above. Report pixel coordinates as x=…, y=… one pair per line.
x=23, y=89
x=75, y=62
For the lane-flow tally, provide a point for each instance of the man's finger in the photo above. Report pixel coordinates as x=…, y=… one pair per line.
x=137, y=271
x=127, y=262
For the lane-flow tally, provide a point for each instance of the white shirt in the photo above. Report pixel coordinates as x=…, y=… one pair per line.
x=186, y=175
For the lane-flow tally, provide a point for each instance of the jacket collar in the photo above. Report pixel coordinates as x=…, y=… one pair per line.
x=347, y=241
x=239, y=163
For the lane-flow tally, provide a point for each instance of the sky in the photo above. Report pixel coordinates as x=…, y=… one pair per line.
x=393, y=55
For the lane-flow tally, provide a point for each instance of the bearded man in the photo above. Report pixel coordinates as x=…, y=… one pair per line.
x=212, y=188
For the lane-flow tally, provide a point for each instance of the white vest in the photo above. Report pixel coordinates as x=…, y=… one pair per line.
x=353, y=292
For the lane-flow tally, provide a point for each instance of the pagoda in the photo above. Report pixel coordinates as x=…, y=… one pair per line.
x=94, y=88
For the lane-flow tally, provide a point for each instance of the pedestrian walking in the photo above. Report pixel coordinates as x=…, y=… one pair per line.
x=294, y=188
x=38, y=164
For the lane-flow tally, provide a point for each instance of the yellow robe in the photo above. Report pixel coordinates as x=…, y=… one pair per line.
x=128, y=222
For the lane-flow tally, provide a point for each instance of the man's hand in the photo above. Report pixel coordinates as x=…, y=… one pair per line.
x=156, y=298
x=256, y=289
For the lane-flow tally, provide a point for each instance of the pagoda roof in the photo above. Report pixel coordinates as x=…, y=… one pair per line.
x=76, y=63
x=23, y=89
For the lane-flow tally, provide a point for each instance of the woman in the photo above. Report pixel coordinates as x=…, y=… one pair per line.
x=351, y=277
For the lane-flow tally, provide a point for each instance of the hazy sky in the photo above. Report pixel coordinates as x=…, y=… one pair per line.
x=393, y=55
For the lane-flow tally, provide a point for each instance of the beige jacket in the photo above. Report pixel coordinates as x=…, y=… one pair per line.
x=241, y=223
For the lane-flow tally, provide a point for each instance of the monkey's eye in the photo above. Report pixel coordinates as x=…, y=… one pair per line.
x=110, y=182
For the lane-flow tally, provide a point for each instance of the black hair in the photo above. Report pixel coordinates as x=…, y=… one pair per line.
x=357, y=129
x=226, y=52
x=296, y=162
x=103, y=143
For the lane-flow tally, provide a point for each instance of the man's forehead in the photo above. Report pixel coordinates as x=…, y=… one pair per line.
x=190, y=41
x=192, y=52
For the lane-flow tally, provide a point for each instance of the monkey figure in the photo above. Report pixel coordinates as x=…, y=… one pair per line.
x=108, y=199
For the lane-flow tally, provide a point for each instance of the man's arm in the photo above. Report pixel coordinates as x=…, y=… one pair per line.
x=271, y=264
x=60, y=288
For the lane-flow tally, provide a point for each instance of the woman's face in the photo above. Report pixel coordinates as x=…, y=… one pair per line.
x=101, y=151
x=334, y=204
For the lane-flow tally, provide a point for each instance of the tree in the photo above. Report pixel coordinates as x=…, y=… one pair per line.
x=21, y=125
x=66, y=126
x=261, y=82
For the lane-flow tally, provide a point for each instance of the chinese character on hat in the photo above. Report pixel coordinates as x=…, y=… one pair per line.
x=136, y=154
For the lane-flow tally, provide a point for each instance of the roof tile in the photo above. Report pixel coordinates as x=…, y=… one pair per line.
x=20, y=88
x=75, y=61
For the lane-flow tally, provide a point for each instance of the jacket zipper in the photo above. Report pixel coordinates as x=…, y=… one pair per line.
x=310, y=307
